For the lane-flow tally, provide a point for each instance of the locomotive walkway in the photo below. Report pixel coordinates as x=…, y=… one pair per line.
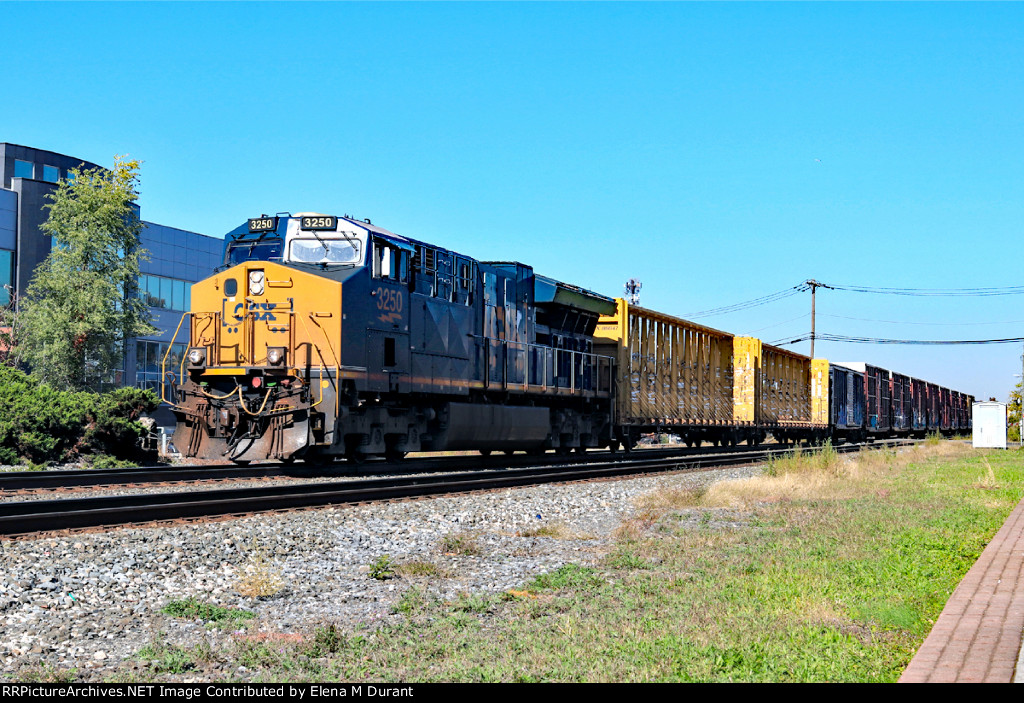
x=978, y=636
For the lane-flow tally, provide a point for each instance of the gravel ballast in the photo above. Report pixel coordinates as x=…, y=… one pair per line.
x=91, y=601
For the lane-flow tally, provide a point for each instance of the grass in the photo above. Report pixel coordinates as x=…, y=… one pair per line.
x=164, y=658
x=417, y=568
x=832, y=569
x=193, y=609
x=552, y=530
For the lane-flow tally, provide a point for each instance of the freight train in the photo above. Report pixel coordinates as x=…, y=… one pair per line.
x=327, y=336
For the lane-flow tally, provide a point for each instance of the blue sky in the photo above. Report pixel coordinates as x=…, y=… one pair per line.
x=717, y=152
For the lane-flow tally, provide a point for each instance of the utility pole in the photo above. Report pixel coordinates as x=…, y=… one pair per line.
x=814, y=289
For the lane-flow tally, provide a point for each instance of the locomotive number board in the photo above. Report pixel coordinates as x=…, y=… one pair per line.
x=262, y=224
x=319, y=222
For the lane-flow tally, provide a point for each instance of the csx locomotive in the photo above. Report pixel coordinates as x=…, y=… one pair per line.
x=325, y=336
x=328, y=335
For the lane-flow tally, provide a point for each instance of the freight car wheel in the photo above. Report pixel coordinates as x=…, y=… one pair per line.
x=485, y=452
x=394, y=455
x=613, y=447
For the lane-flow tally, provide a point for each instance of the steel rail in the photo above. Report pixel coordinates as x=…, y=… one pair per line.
x=79, y=478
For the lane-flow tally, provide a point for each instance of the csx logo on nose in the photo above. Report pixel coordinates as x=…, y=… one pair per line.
x=255, y=309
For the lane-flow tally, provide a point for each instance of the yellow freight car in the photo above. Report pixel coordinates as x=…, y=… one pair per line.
x=703, y=384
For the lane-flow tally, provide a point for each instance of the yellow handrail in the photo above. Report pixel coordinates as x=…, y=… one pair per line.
x=163, y=362
x=337, y=363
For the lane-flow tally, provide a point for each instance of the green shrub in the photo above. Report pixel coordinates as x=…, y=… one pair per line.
x=41, y=424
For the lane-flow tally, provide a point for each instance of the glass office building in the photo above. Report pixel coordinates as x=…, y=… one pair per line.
x=177, y=258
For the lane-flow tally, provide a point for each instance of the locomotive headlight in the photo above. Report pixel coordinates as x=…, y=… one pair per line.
x=196, y=356
x=275, y=355
x=256, y=280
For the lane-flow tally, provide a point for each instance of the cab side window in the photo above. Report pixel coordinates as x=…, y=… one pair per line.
x=390, y=262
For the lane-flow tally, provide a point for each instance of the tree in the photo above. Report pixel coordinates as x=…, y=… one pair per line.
x=10, y=333
x=81, y=304
x=1013, y=408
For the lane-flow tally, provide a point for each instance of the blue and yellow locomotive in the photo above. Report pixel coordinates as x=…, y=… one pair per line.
x=325, y=335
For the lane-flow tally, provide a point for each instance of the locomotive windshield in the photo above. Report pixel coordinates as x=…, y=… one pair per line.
x=254, y=250
x=325, y=250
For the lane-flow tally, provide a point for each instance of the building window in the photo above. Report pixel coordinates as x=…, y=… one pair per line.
x=167, y=293
x=51, y=174
x=6, y=276
x=23, y=169
x=149, y=358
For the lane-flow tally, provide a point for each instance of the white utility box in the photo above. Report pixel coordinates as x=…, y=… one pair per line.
x=989, y=424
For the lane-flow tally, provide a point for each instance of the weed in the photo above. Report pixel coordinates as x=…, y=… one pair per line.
x=260, y=579
x=460, y=543
x=382, y=568
x=626, y=560
x=568, y=576
x=797, y=461
x=472, y=603
x=194, y=609
x=933, y=439
x=46, y=673
x=254, y=653
x=326, y=640
x=412, y=601
x=415, y=568
x=166, y=658
x=555, y=530
x=988, y=481
x=669, y=499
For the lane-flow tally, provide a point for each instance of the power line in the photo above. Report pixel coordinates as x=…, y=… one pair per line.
x=907, y=322
x=879, y=340
x=763, y=300
x=798, y=317
x=1006, y=290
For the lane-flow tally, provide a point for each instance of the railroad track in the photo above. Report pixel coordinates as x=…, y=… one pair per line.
x=23, y=518
x=23, y=481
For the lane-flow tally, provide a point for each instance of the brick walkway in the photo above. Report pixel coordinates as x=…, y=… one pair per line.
x=978, y=636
